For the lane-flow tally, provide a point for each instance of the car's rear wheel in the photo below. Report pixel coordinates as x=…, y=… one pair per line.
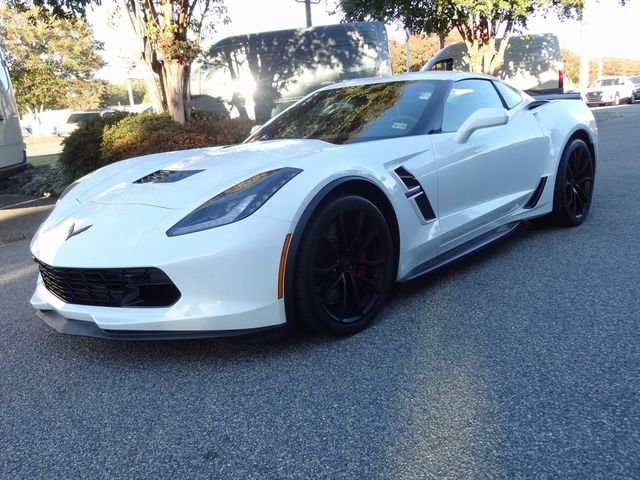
x=344, y=268
x=574, y=185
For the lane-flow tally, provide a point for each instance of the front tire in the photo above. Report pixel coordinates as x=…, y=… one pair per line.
x=344, y=269
x=574, y=185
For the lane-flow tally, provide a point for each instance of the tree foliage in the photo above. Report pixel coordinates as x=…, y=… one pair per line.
x=479, y=22
x=169, y=32
x=610, y=66
x=51, y=60
x=117, y=93
x=57, y=8
x=421, y=48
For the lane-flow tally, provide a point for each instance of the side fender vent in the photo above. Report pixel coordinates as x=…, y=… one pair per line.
x=425, y=206
x=537, y=193
x=416, y=193
x=409, y=180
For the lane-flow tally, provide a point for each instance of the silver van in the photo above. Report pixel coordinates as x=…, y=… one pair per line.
x=13, y=154
x=532, y=63
x=260, y=74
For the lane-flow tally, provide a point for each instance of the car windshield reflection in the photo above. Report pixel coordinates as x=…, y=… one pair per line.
x=358, y=113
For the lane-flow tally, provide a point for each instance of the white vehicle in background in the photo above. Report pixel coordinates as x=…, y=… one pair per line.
x=13, y=153
x=610, y=91
x=532, y=63
x=75, y=119
x=636, y=92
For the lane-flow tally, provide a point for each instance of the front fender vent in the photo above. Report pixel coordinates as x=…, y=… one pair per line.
x=416, y=193
x=167, y=176
x=409, y=180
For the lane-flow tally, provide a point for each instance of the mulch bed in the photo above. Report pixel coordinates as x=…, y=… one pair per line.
x=16, y=183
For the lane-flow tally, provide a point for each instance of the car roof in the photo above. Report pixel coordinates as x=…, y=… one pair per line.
x=429, y=75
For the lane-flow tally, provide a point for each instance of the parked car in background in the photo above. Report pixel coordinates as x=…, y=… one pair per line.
x=260, y=74
x=74, y=121
x=13, y=153
x=532, y=63
x=636, y=91
x=610, y=91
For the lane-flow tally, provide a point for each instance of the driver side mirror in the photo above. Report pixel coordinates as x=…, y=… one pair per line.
x=254, y=129
x=481, y=118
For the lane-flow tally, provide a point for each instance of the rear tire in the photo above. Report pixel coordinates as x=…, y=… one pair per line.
x=574, y=185
x=344, y=268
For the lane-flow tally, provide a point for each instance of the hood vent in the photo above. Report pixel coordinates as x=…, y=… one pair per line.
x=167, y=176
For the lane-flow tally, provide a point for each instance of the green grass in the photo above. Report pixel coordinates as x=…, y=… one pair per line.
x=42, y=160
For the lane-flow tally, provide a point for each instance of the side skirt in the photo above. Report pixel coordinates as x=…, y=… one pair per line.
x=461, y=250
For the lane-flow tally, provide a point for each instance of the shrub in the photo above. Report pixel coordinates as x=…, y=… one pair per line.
x=220, y=130
x=52, y=181
x=148, y=133
x=81, y=149
x=116, y=136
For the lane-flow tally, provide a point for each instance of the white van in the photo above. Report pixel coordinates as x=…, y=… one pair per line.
x=532, y=63
x=13, y=154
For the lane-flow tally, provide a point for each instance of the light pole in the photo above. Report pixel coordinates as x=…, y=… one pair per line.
x=307, y=7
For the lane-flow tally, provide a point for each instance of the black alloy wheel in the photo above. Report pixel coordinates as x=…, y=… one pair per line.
x=574, y=184
x=345, y=267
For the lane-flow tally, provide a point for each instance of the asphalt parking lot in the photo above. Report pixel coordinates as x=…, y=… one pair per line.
x=522, y=361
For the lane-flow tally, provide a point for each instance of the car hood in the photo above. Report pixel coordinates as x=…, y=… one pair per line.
x=176, y=179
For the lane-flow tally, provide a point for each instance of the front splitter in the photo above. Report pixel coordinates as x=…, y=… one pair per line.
x=90, y=329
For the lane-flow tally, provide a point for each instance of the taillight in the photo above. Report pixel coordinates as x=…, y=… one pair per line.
x=561, y=79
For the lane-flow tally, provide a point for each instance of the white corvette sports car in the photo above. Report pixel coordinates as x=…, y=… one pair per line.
x=316, y=214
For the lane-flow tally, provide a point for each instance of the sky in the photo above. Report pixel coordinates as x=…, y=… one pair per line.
x=608, y=30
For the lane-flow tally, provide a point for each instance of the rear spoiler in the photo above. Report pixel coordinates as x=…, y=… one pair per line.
x=558, y=96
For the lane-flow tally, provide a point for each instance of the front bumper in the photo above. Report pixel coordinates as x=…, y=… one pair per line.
x=227, y=277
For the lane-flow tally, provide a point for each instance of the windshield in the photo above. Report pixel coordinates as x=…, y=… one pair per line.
x=605, y=82
x=359, y=113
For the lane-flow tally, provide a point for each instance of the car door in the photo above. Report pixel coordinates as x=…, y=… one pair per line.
x=494, y=172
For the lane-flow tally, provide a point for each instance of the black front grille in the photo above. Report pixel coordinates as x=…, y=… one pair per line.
x=110, y=287
x=594, y=95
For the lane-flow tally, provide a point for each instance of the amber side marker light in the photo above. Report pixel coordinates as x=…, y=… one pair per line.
x=283, y=262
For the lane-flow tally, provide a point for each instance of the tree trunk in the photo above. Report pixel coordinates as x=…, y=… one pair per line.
x=498, y=57
x=173, y=75
x=37, y=116
x=152, y=88
x=186, y=92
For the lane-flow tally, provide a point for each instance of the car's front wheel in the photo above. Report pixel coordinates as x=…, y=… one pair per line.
x=574, y=185
x=344, y=268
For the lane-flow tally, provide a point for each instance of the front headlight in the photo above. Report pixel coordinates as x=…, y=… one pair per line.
x=235, y=203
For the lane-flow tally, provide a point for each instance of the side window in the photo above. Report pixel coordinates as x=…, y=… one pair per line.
x=442, y=65
x=465, y=97
x=510, y=95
